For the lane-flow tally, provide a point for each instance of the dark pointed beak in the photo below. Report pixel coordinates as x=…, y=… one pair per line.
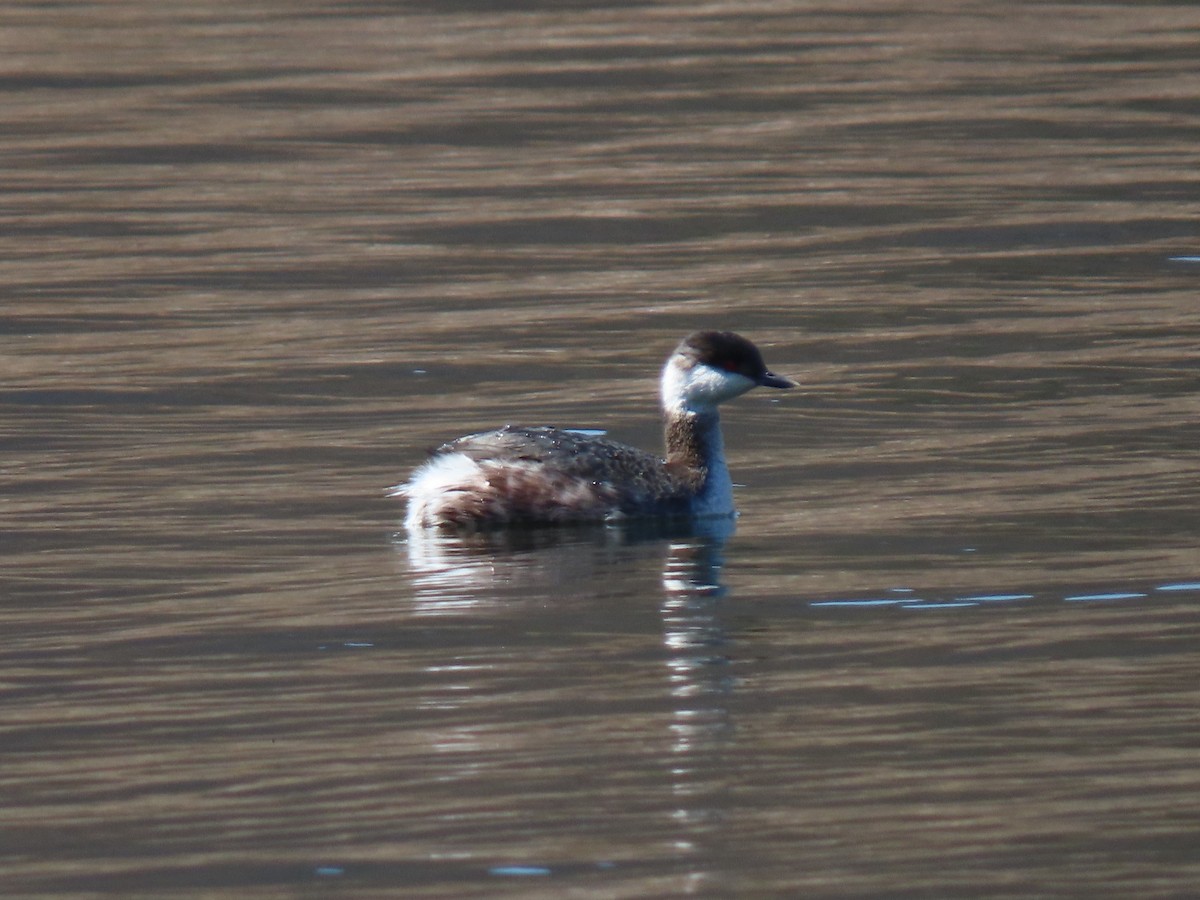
x=770, y=379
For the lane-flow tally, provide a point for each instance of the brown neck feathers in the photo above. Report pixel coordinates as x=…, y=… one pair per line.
x=687, y=446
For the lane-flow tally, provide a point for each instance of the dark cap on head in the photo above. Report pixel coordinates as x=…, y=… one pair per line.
x=731, y=352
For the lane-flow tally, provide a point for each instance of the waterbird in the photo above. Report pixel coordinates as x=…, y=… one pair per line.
x=538, y=475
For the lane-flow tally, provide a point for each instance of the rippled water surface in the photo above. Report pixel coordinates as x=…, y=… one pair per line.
x=260, y=256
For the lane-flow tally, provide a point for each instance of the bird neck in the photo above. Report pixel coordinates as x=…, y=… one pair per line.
x=696, y=456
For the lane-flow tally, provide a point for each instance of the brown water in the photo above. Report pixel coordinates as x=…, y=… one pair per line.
x=259, y=256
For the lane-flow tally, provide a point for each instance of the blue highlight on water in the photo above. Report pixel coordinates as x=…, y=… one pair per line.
x=945, y=604
x=996, y=598
x=905, y=601
x=539, y=871
x=518, y=871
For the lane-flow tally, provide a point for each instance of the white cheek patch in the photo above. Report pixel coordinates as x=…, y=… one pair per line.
x=706, y=387
x=700, y=388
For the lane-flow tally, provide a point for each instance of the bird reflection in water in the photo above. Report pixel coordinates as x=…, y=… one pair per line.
x=451, y=571
x=699, y=683
x=494, y=573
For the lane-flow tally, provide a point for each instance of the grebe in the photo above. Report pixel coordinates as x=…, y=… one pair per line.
x=519, y=475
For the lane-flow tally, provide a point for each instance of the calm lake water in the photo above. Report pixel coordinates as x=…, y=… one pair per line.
x=260, y=256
